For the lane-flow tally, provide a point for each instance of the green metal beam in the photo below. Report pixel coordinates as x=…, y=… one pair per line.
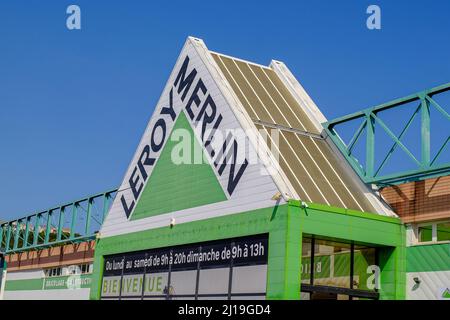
x=74, y=219
x=27, y=230
x=53, y=232
x=16, y=234
x=54, y=243
x=428, y=165
x=394, y=146
x=8, y=237
x=48, y=226
x=425, y=127
x=392, y=104
x=88, y=216
x=1, y=238
x=438, y=107
x=396, y=140
x=370, y=143
x=440, y=150
x=36, y=229
x=356, y=136
x=60, y=223
x=106, y=198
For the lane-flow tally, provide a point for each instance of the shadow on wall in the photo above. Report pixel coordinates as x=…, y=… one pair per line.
x=421, y=200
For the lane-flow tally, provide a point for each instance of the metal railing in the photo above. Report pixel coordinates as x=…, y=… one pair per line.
x=426, y=165
x=71, y=222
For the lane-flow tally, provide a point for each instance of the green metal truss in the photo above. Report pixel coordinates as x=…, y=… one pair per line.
x=427, y=166
x=71, y=222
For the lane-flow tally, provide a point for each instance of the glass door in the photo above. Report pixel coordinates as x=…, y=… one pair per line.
x=338, y=270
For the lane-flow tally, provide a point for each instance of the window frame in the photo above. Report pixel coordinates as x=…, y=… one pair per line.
x=434, y=239
x=58, y=271
x=350, y=291
x=53, y=272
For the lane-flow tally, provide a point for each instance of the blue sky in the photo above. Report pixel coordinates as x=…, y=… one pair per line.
x=73, y=104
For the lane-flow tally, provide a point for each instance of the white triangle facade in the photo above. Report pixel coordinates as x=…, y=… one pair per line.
x=196, y=88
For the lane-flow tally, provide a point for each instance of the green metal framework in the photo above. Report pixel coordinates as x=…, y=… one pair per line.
x=427, y=166
x=75, y=221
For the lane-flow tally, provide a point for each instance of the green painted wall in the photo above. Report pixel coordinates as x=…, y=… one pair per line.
x=249, y=223
x=173, y=187
x=285, y=225
x=285, y=252
x=393, y=273
x=27, y=284
x=363, y=228
x=350, y=224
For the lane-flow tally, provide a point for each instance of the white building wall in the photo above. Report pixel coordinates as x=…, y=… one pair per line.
x=36, y=294
x=431, y=287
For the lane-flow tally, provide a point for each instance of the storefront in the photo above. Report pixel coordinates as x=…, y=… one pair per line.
x=222, y=269
x=233, y=193
x=269, y=255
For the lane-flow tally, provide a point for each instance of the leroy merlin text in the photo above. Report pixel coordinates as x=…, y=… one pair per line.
x=202, y=110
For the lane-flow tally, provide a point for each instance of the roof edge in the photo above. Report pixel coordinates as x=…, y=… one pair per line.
x=279, y=178
x=308, y=105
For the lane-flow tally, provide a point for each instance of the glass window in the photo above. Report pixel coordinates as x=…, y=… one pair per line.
x=49, y=272
x=183, y=282
x=155, y=284
x=364, y=268
x=333, y=267
x=425, y=233
x=53, y=272
x=332, y=263
x=249, y=279
x=443, y=231
x=306, y=260
x=132, y=285
x=111, y=286
x=214, y=281
x=203, y=271
x=85, y=268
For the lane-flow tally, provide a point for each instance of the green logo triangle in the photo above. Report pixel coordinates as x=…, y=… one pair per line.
x=446, y=294
x=172, y=187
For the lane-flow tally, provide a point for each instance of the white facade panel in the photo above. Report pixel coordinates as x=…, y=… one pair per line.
x=255, y=188
x=24, y=275
x=57, y=294
x=431, y=286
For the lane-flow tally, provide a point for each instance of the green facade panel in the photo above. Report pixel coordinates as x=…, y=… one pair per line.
x=252, y=222
x=286, y=224
x=26, y=284
x=350, y=225
x=285, y=245
x=52, y=283
x=431, y=257
x=171, y=186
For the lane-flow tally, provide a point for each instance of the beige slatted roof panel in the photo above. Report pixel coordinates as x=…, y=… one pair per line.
x=316, y=171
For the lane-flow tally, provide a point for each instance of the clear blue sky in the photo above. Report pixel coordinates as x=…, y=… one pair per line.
x=73, y=104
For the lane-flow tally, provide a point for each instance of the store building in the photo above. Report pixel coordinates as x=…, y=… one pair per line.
x=237, y=228
x=236, y=192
